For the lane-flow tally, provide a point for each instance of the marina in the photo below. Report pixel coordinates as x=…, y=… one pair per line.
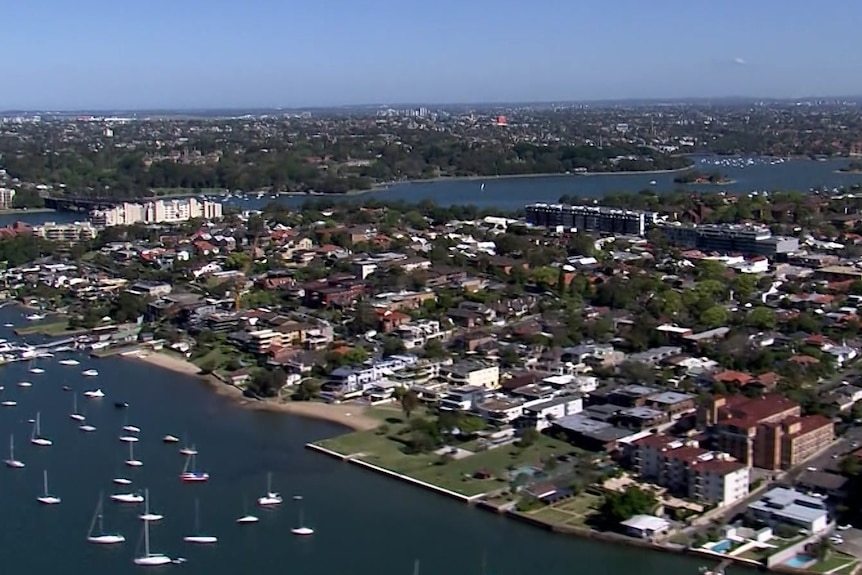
x=246, y=455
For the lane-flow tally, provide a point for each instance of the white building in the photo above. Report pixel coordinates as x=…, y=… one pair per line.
x=157, y=212
x=473, y=374
x=784, y=506
x=66, y=233
x=541, y=415
x=419, y=333
x=687, y=469
x=6, y=197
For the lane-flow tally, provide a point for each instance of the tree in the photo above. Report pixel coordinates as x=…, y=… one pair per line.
x=529, y=436
x=307, y=390
x=761, y=318
x=409, y=402
x=715, y=316
x=633, y=501
x=237, y=261
x=851, y=465
x=392, y=345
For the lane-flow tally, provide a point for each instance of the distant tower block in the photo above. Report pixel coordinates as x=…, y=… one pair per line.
x=501, y=121
x=109, y=132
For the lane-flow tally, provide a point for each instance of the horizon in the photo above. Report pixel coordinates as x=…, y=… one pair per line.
x=221, y=54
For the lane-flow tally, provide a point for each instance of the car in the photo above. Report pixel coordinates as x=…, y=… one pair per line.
x=845, y=527
x=811, y=469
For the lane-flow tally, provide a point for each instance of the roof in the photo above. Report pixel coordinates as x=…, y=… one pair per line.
x=670, y=397
x=785, y=503
x=646, y=523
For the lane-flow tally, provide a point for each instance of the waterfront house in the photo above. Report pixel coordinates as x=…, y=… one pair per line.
x=786, y=506
x=541, y=415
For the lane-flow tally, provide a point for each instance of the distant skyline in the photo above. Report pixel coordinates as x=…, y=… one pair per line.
x=196, y=54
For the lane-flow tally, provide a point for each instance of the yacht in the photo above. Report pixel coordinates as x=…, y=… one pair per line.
x=75, y=415
x=9, y=403
x=148, y=515
x=87, y=428
x=271, y=498
x=122, y=481
x=300, y=528
x=149, y=559
x=90, y=372
x=131, y=429
x=25, y=384
x=100, y=537
x=188, y=450
x=46, y=498
x=37, y=370
x=170, y=439
x=198, y=537
x=69, y=362
x=12, y=462
x=129, y=439
x=35, y=317
x=95, y=394
x=36, y=437
x=131, y=461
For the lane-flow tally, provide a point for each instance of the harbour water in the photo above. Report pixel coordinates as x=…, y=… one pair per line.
x=365, y=523
x=513, y=193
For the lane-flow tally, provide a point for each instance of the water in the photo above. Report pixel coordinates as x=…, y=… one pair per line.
x=365, y=523
x=722, y=546
x=514, y=193
x=799, y=561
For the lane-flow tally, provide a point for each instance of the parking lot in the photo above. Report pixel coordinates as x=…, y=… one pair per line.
x=852, y=542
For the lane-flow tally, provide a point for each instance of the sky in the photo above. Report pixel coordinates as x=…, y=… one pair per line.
x=197, y=54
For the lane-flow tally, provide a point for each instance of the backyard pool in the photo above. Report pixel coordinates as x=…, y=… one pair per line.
x=799, y=561
x=722, y=546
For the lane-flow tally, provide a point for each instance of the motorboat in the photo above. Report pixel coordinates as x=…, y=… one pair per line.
x=127, y=498
x=25, y=384
x=69, y=362
x=170, y=439
x=129, y=439
x=9, y=403
x=35, y=317
x=131, y=429
x=90, y=372
x=87, y=428
x=95, y=394
x=122, y=481
x=246, y=519
x=37, y=370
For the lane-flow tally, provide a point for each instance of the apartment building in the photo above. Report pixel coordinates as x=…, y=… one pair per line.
x=157, y=212
x=419, y=333
x=784, y=506
x=769, y=432
x=589, y=218
x=749, y=240
x=689, y=470
x=6, y=197
x=66, y=233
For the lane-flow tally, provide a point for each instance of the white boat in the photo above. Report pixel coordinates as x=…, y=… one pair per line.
x=246, y=519
x=87, y=428
x=131, y=429
x=197, y=537
x=148, y=515
x=9, y=403
x=149, y=559
x=122, y=481
x=47, y=498
x=69, y=362
x=12, y=462
x=170, y=439
x=35, y=317
x=129, y=439
x=90, y=372
x=188, y=450
x=8, y=325
x=271, y=497
x=25, y=384
x=189, y=475
x=131, y=461
x=127, y=498
x=75, y=415
x=95, y=393
x=301, y=528
x=36, y=437
x=37, y=370
x=100, y=537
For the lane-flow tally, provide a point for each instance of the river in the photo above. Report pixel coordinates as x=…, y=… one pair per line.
x=514, y=193
x=365, y=524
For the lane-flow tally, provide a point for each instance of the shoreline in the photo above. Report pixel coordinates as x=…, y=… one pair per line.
x=19, y=211
x=349, y=416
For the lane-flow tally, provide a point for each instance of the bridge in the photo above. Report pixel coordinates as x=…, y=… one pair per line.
x=78, y=204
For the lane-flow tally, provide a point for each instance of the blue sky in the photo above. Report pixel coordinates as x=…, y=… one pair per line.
x=87, y=54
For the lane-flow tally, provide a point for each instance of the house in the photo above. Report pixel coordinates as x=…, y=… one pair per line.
x=463, y=398
x=786, y=506
x=419, y=333
x=150, y=289
x=540, y=415
x=645, y=526
x=472, y=373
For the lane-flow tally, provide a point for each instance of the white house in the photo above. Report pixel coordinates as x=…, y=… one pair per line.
x=541, y=415
x=786, y=506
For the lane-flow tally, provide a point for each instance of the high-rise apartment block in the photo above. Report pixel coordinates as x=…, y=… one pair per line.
x=157, y=212
x=590, y=218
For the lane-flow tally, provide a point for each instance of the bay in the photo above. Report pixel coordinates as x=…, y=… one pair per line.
x=365, y=524
x=513, y=193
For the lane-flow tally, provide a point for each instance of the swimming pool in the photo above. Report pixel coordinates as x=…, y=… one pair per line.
x=800, y=560
x=722, y=546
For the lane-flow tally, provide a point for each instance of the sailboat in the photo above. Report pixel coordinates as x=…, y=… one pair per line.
x=75, y=415
x=87, y=427
x=148, y=516
x=149, y=559
x=122, y=481
x=197, y=537
x=189, y=475
x=247, y=517
x=188, y=450
x=271, y=497
x=95, y=394
x=129, y=438
x=131, y=461
x=12, y=462
x=36, y=438
x=69, y=362
x=300, y=528
x=129, y=428
x=46, y=498
x=170, y=439
x=35, y=370
x=101, y=537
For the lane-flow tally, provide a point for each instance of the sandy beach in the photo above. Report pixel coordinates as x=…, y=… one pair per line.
x=348, y=415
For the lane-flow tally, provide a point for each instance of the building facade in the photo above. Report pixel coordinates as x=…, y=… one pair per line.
x=750, y=240
x=157, y=212
x=66, y=233
x=589, y=218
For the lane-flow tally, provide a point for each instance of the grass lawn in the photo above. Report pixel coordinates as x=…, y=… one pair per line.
x=833, y=561
x=52, y=329
x=756, y=554
x=572, y=512
x=386, y=451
